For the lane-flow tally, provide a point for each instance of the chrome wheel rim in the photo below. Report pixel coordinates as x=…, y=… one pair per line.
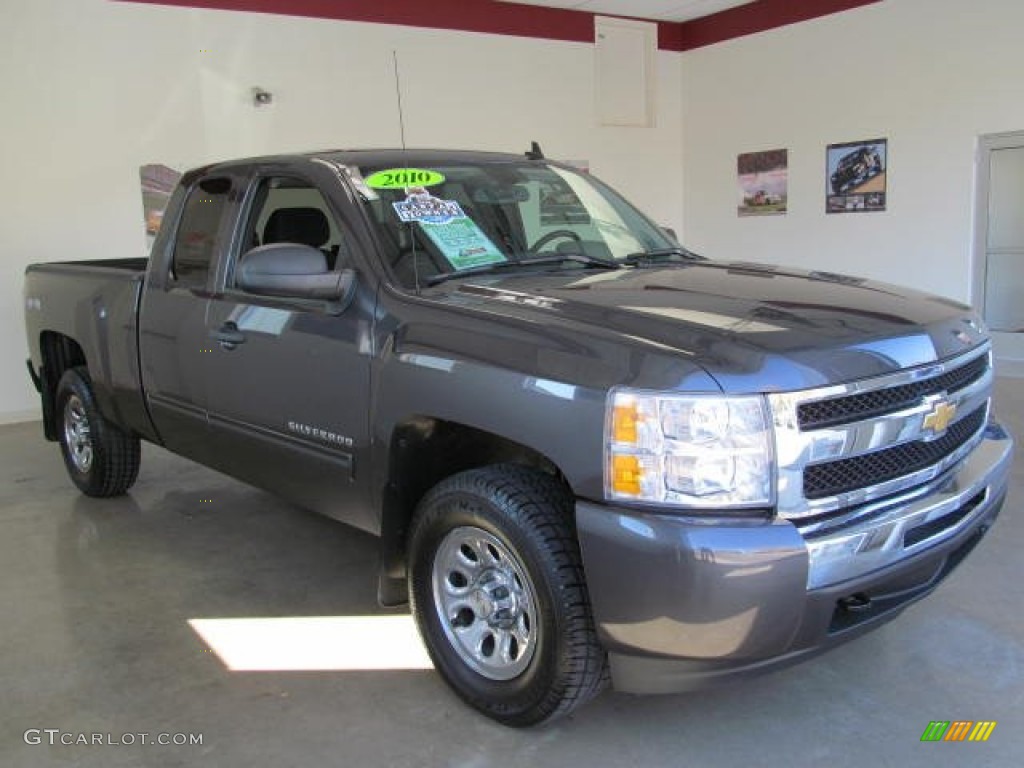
x=77, y=436
x=485, y=603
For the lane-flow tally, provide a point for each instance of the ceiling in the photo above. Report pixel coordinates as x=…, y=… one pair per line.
x=662, y=10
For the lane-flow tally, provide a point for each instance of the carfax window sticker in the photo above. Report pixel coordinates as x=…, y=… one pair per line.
x=463, y=243
x=458, y=237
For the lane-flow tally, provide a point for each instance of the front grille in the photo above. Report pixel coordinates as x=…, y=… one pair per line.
x=836, y=477
x=845, y=410
x=937, y=526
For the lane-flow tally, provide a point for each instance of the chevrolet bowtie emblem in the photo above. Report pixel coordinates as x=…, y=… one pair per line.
x=940, y=417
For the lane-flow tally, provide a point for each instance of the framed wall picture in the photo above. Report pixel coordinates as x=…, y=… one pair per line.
x=763, y=179
x=855, y=176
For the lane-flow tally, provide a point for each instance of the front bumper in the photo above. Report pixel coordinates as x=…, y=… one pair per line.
x=683, y=602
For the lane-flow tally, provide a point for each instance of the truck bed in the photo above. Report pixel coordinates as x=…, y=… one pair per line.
x=94, y=304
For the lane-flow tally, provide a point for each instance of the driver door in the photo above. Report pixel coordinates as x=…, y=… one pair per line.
x=289, y=377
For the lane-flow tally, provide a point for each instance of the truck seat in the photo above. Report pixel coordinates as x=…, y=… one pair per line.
x=306, y=226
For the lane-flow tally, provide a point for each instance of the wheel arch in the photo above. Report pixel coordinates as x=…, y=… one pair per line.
x=58, y=353
x=422, y=451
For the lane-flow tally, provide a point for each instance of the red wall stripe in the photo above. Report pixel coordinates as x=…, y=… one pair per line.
x=503, y=18
x=756, y=17
x=466, y=15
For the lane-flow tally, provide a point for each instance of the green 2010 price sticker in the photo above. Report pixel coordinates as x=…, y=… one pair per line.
x=400, y=178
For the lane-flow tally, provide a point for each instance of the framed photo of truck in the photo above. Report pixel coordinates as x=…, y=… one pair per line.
x=855, y=176
x=763, y=180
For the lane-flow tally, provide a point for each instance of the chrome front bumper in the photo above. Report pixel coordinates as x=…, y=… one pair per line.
x=685, y=602
x=878, y=535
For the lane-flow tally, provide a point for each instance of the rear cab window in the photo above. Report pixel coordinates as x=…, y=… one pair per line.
x=195, y=247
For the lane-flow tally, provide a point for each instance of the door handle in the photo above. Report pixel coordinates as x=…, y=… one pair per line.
x=228, y=335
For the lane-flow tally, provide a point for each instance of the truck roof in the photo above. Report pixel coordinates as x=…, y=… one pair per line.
x=395, y=157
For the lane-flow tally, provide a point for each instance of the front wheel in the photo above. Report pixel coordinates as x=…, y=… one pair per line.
x=497, y=588
x=101, y=459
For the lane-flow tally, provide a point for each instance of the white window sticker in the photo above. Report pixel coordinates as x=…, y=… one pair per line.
x=422, y=206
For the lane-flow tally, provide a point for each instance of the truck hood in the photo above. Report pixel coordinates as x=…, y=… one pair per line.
x=753, y=328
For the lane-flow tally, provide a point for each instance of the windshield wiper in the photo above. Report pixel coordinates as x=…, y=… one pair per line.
x=674, y=253
x=538, y=261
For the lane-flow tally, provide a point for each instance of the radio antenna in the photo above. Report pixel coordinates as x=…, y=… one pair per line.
x=405, y=162
x=398, y=95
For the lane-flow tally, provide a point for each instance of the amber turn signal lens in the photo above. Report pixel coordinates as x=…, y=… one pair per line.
x=626, y=475
x=624, y=422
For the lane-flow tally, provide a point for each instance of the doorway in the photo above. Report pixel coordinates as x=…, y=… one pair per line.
x=999, y=247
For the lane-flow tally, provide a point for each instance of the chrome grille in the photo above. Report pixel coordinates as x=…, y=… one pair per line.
x=843, y=410
x=843, y=446
x=835, y=477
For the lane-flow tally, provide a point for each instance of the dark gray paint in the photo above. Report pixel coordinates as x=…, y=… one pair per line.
x=746, y=611
x=298, y=368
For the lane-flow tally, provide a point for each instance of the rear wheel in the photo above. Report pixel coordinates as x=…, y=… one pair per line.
x=101, y=459
x=497, y=589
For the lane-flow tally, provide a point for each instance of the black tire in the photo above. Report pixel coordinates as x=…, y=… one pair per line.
x=101, y=459
x=529, y=517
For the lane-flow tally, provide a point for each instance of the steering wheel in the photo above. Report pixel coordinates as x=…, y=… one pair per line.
x=550, y=236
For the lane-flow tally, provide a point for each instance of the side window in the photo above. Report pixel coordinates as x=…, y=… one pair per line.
x=196, y=241
x=291, y=210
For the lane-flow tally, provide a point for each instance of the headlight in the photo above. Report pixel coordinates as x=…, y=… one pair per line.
x=703, y=451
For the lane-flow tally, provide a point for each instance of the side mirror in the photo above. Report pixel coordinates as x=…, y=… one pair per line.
x=671, y=233
x=292, y=270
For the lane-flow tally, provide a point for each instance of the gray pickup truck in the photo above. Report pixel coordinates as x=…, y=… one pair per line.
x=589, y=453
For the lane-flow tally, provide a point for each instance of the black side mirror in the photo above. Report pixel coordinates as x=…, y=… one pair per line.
x=292, y=270
x=671, y=233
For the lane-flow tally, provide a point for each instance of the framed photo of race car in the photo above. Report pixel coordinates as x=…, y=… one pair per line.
x=855, y=176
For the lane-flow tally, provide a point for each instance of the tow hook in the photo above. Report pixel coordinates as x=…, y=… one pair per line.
x=855, y=603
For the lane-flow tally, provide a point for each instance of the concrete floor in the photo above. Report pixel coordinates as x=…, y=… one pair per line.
x=95, y=597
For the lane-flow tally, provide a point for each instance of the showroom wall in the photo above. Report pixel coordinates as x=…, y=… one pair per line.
x=93, y=89
x=929, y=75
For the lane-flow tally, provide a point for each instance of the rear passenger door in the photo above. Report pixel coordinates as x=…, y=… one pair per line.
x=172, y=325
x=288, y=403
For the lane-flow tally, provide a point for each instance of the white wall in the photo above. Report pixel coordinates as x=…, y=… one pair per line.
x=93, y=89
x=931, y=75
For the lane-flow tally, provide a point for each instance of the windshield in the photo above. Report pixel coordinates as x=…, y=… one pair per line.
x=470, y=217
